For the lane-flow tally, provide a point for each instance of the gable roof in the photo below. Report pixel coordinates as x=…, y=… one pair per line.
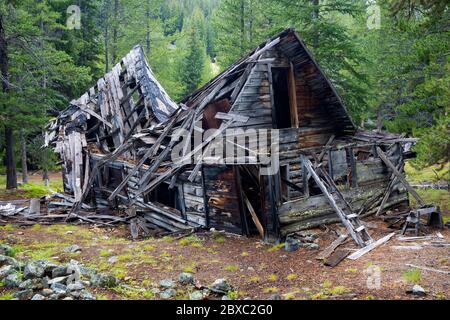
x=290, y=43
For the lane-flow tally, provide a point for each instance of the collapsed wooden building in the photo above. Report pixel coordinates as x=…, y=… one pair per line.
x=117, y=143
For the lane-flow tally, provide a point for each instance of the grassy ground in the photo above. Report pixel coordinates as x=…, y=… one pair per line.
x=255, y=270
x=34, y=189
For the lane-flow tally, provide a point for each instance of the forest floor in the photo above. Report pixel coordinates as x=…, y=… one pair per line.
x=254, y=269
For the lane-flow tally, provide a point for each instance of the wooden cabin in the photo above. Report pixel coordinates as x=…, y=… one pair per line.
x=116, y=141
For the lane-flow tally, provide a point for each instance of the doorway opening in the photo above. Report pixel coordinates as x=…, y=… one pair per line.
x=282, y=105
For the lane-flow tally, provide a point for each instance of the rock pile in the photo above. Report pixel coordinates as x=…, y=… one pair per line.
x=302, y=239
x=218, y=289
x=43, y=280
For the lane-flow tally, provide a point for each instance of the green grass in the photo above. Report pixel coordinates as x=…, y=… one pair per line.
x=439, y=198
x=231, y=268
x=429, y=174
x=32, y=189
x=413, y=275
x=7, y=296
x=276, y=247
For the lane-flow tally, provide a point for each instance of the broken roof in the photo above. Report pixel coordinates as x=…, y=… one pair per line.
x=291, y=45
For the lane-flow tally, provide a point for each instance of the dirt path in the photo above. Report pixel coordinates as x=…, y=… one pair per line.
x=254, y=269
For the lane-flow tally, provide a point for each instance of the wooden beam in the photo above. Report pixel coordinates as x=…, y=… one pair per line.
x=370, y=247
x=400, y=177
x=254, y=216
x=293, y=97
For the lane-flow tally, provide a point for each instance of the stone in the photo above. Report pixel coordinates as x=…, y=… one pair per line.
x=103, y=281
x=88, y=272
x=226, y=298
x=59, y=272
x=47, y=292
x=34, y=269
x=86, y=295
x=8, y=261
x=24, y=294
x=112, y=260
x=186, y=278
x=168, y=294
x=6, y=250
x=68, y=298
x=56, y=296
x=196, y=295
x=291, y=245
x=167, y=283
x=6, y=271
x=275, y=296
x=73, y=249
x=155, y=291
x=62, y=280
x=221, y=286
x=13, y=280
x=33, y=284
x=74, y=294
x=77, y=286
x=49, y=267
x=251, y=269
x=38, y=297
x=418, y=291
x=58, y=288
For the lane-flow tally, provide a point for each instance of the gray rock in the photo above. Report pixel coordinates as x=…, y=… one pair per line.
x=35, y=269
x=112, y=260
x=73, y=249
x=6, y=271
x=33, y=284
x=24, y=294
x=38, y=297
x=86, y=295
x=58, y=288
x=196, y=295
x=6, y=250
x=13, y=280
x=74, y=294
x=167, y=283
x=58, y=280
x=68, y=298
x=59, y=272
x=103, y=280
x=275, y=296
x=418, y=291
x=49, y=267
x=88, y=272
x=226, y=298
x=47, y=292
x=310, y=246
x=186, y=278
x=75, y=286
x=168, y=294
x=56, y=296
x=8, y=261
x=155, y=291
x=221, y=286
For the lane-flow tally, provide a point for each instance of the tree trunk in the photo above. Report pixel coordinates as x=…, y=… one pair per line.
x=11, y=176
x=106, y=33
x=315, y=19
x=242, y=47
x=147, y=15
x=24, y=158
x=115, y=32
x=379, y=118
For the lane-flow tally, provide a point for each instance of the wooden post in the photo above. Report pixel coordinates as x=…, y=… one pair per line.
x=293, y=97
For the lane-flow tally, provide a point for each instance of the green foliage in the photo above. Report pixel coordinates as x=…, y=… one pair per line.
x=413, y=276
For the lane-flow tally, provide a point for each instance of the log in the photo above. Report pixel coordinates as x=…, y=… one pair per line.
x=370, y=247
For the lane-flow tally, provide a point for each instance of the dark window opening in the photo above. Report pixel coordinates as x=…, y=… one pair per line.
x=280, y=83
x=164, y=196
